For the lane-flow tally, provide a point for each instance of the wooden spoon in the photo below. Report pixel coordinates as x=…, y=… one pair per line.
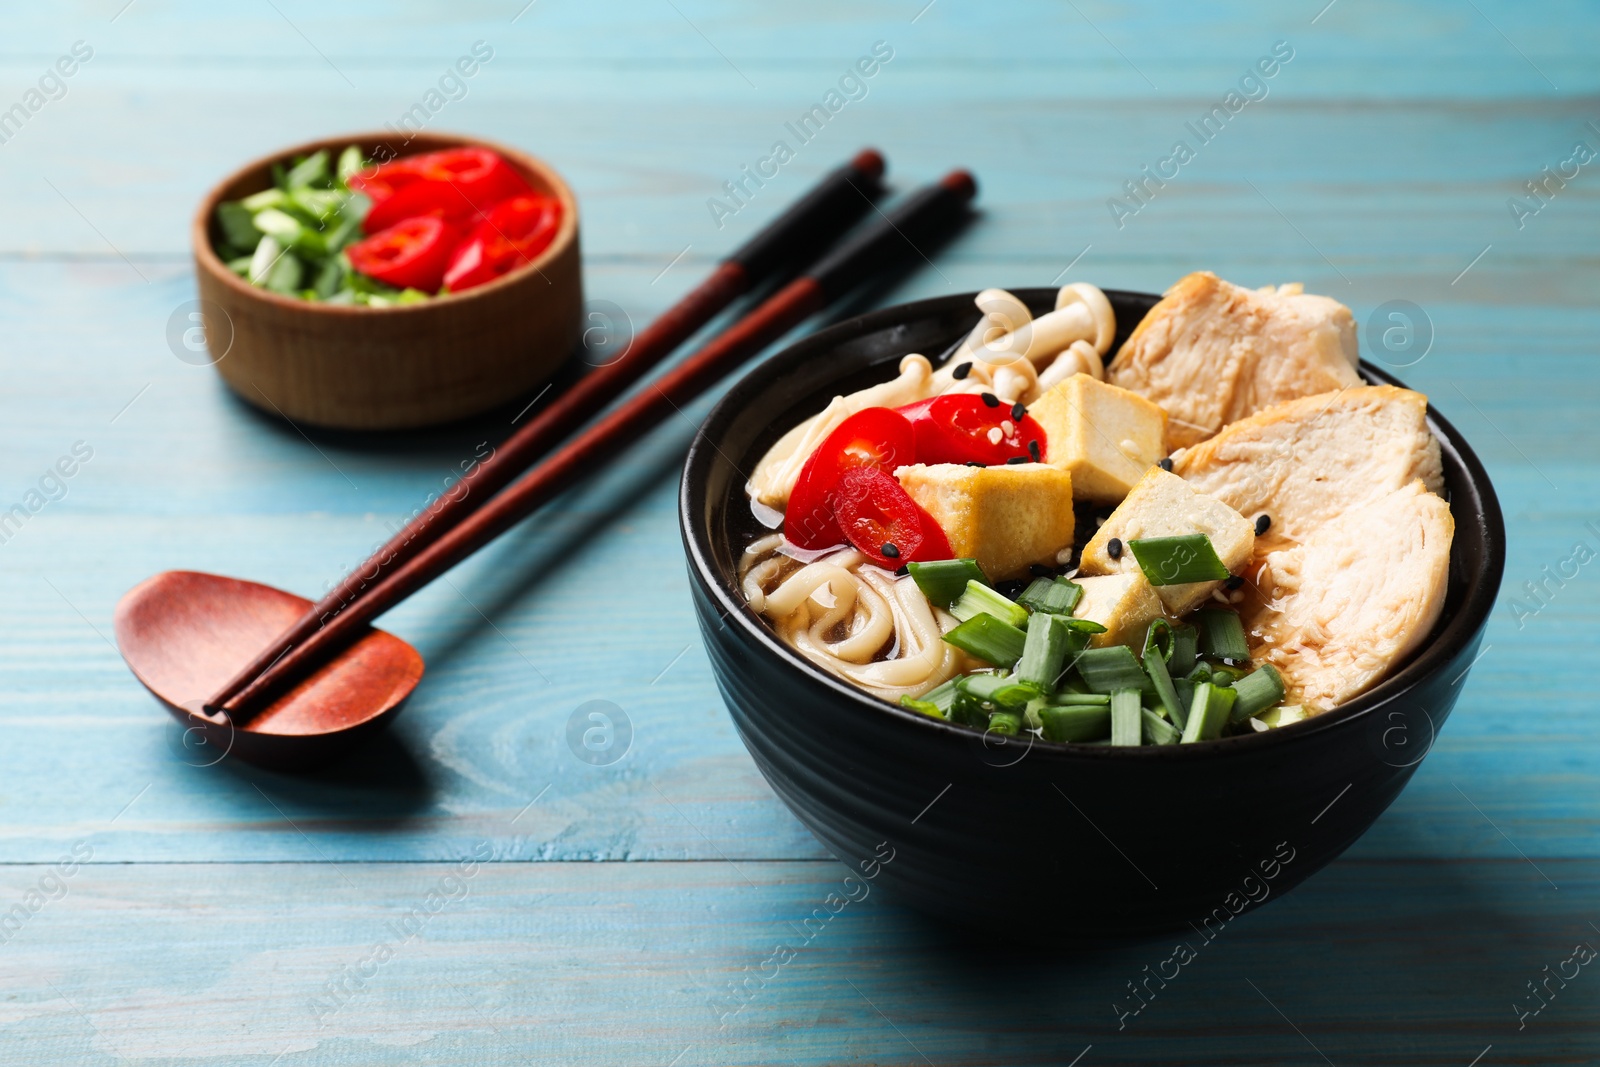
x=184, y=633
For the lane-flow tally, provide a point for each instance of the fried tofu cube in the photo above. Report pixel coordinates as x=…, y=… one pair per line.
x=1104, y=436
x=1164, y=505
x=1004, y=517
x=1125, y=604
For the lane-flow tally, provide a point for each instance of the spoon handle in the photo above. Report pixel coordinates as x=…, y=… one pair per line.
x=892, y=238
x=804, y=229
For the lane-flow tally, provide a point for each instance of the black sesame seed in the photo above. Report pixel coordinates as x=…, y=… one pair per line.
x=1234, y=581
x=1114, y=548
x=1033, y=450
x=1039, y=570
x=1165, y=463
x=1017, y=410
x=1017, y=459
x=1263, y=523
x=889, y=551
x=991, y=400
x=975, y=463
x=961, y=371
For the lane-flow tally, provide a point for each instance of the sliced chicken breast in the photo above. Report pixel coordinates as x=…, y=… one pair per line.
x=1308, y=461
x=1337, y=612
x=1211, y=353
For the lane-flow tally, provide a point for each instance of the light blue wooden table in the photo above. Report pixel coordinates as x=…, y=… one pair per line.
x=227, y=915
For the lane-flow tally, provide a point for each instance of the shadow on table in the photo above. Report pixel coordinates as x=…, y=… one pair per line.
x=1371, y=960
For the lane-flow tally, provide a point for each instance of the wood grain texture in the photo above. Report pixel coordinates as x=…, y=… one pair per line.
x=1378, y=167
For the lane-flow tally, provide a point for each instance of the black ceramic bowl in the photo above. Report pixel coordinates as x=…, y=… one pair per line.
x=1037, y=838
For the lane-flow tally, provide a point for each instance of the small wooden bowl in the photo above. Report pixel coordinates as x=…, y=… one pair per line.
x=393, y=368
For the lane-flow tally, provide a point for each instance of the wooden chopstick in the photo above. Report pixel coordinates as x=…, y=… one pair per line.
x=802, y=231
x=890, y=238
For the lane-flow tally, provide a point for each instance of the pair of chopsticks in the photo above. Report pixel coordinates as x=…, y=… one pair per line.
x=457, y=525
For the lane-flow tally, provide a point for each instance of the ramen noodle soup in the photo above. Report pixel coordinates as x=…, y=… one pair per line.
x=1219, y=528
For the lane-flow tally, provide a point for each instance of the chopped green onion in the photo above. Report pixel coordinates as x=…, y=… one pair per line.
x=285, y=275
x=1085, y=626
x=1200, y=673
x=1158, y=731
x=342, y=236
x=1105, y=670
x=1156, y=668
x=979, y=599
x=280, y=177
x=1075, y=723
x=351, y=163
x=945, y=580
x=970, y=712
x=265, y=258
x=1005, y=722
x=319, y=206
x=1185, y=643
x=1282, y=715
x=1030, y=714
x=1208, y=713
x=257, y=202
x=1257, y=691
x=290, y=231
x=1063, y=700
x=990, y=639
x=1000, y=690
x=310, y=171
x=1222, y=634
x=330, y=279
x=1222, y=674
x=1178, y=560
x=234, y=220
x=1185, y=690
x=1126, y=722
x=1045, y=652
x=1052, y=596
x=1158, y=637
x=935, y=703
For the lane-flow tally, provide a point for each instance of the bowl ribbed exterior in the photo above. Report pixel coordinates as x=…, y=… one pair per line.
x=1028, y=838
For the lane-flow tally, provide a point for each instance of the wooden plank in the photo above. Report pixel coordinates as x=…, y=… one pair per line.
x=1401, y=962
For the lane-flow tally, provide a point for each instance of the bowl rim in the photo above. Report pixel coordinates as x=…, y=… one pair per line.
x=1457, y=632
x=207, y=260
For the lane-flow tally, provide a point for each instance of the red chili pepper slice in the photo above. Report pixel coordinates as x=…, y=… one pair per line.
x=965, y=428
x=515, y=232
x=410, y=255
x=872, y=437
x=458, y=184
x=935, y=545
x=879, y=517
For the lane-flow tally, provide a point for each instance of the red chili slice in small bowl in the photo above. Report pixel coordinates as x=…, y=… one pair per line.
x=513, y=233
x=457, y=183
x=410, y=255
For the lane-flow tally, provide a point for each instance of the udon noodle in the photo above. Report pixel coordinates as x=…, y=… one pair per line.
x=847, y=615
x=851, y=618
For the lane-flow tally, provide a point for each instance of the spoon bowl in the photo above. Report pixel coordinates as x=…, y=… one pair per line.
x=185, y=633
